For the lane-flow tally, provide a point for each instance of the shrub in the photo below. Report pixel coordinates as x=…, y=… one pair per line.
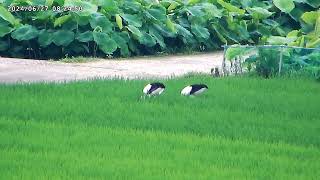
x=136, y=27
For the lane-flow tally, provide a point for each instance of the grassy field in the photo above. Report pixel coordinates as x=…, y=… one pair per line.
x=242, y=128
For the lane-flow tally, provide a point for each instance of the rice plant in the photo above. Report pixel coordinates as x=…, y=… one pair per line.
x=241, y=128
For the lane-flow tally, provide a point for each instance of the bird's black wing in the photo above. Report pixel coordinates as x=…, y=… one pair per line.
x=153, y=88
x=158, y=84
x=195, y=89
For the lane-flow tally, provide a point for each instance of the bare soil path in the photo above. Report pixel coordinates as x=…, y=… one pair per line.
x=23, y=70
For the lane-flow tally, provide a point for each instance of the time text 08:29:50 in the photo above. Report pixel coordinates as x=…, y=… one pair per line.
x=44, y=8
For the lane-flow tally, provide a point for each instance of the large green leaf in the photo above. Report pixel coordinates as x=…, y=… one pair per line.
x=119, y=21
x=191, y=2
x=60, y=2
x=147, y=40
x=85, y=36
x=317, y=28
x=157, y=13
x=6, y=15
x=133, y=46
x=38, y=2
x=297, y=12
x=108, y=5
x=310, y=17
x=125, y=35
x=219, y=35
x=4, y=30
x=230, y=7
x=233, y=52
x=278, y=40
x=183, y=31
x=105, y=43
x=101, y=21
x=45, y=38
x=49, y=3
x=88, y=7
x=122, y=43
x=120, y=40
x=171, y=26
x=243, y=3
x=259, y=13
x=171, y=5
x=25, y=32
x=196, y=10
x=61, y=20
x=164, y=31
x=200, y=32
x=242, y=31
x=44, y=15
x=293, y=33
x=70, y=25
x=157, y=36
x=187, y=35
x=314, y=3
x=100, y=38
x=212, y=10
x=133, y=20
x=134, y=30
x=132, y=6
x=184, y=22
x=224, y=35
x=111, y=7
x=284, y=5
x=63, y=37
x=314, y=43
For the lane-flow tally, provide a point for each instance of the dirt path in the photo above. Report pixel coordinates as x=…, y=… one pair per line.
x=22, y=70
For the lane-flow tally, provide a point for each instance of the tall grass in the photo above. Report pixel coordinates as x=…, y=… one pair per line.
x=241, y=128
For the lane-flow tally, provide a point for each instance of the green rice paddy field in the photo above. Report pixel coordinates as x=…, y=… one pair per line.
x=242, y=128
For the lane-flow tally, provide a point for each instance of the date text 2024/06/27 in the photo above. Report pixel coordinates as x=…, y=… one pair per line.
x=44, y=8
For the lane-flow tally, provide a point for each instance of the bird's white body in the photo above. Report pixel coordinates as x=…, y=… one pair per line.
x=146, y=89
x=186, y=91
x=195, y=89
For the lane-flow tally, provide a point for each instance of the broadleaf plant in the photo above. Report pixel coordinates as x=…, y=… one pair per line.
x=138, y=27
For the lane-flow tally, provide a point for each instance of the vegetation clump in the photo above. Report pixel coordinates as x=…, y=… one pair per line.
x=44, y=29
x=270, y=61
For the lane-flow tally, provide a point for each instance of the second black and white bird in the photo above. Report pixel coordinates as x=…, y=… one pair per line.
x=195, y=89
x=154, y=89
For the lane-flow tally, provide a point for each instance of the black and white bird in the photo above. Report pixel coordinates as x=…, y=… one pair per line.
x=194, y=89
x=154, y=89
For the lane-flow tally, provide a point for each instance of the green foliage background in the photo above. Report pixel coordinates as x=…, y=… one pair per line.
x=139, y=27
